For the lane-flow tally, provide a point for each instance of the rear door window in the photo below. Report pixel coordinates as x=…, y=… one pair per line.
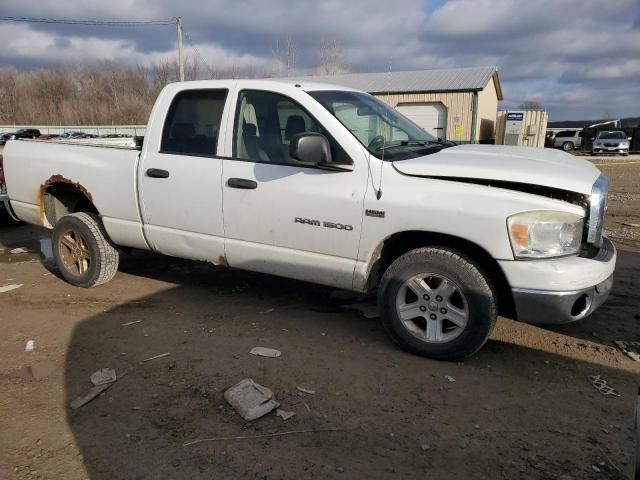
x=193, y=122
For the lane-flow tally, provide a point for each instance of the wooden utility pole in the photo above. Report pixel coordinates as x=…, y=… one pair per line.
x=180, y=53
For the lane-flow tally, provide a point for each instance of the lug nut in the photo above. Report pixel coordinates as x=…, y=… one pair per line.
x=423, y=308
x=443, y=310
x=426, y=297
x=433, y=316
x=439, y=298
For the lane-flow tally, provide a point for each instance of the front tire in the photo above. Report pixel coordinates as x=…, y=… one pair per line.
x=437, y=303
x=82, y=250
x=567, y=146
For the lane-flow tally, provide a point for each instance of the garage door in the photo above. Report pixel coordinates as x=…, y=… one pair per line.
x=432, y=117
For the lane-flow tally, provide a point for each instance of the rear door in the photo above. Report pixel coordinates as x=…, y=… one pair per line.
x=180, y=177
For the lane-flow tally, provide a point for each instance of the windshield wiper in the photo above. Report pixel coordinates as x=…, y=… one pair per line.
x=413, y=143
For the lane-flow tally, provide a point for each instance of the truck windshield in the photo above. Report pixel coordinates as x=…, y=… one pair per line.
x=386, y=133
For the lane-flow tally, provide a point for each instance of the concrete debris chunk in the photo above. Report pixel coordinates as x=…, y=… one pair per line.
x=29, y=346
x=632, y=349
x=306, y=390
x=284, y=415
x=450, y=378
x=265, y=352
x=8, y=288
x=250, y=399
x=101, y=377
x=19, y=251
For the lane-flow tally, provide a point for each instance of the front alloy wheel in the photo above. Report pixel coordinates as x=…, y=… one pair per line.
x=432, y=307
x=437, y=302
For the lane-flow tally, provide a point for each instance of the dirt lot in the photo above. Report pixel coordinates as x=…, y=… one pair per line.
x=522, y=408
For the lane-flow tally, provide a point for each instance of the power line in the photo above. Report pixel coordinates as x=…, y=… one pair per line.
x=198, y=54
x=106, y=23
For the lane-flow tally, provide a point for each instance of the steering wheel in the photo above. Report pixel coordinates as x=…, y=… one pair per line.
x=376, y=143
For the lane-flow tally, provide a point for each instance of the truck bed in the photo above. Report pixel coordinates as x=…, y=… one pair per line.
x=105, y=173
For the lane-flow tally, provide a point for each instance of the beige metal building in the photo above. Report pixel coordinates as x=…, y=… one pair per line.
x=459, y=104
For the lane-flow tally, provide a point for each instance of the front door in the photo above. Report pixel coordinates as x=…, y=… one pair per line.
x=281, y=216
x=180, y=185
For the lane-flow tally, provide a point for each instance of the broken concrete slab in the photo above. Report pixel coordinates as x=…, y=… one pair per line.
x=284, y=414
x=265, y=352
x=630, y=348
x=105, y=375
x=250, y=399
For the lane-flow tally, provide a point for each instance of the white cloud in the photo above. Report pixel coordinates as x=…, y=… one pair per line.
x=568, y=53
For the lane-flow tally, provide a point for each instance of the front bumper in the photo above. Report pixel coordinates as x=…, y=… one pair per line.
x=575, y=287
x=603, y=149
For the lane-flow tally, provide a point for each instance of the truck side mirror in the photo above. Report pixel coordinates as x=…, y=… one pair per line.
x=311, y=147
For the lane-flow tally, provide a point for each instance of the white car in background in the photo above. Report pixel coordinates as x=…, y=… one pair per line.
x=614, y=141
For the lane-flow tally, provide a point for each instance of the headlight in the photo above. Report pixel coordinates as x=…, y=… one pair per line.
x=545, y=234
x=598, y=144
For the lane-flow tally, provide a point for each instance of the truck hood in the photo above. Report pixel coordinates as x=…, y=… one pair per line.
x=532, y=166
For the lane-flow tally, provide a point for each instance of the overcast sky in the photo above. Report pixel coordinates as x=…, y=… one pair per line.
x=579, y=58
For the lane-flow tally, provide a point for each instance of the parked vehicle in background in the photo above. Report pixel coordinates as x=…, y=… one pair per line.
x=4, y=137
x=568, y=140
x=614, y=141
x=330, y=185
x=48, y=136
x=74, y=134
x=25, y=133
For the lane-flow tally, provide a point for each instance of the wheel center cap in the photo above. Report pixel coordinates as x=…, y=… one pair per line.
x=433, y=306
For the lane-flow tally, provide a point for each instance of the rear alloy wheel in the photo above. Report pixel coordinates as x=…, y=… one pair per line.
x=567, y=146
x=83, y=253
x=437, y=303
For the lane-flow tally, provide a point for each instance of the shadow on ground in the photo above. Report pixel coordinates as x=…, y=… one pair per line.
x=513, y=411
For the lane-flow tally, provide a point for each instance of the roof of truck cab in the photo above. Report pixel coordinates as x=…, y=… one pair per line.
x=307, y=86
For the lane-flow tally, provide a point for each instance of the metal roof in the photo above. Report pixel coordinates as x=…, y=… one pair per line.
x=441, y=80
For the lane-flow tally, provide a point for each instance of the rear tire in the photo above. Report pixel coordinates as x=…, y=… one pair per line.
x=82, y=250
x=567, y=146
x=437, y=303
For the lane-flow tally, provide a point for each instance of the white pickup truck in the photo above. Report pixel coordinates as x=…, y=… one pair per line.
x=329, y=185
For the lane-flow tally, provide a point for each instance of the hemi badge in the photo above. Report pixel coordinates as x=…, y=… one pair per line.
x=374, y=213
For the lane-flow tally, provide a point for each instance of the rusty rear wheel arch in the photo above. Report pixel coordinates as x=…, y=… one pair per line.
x=60, y=198
x=402, y=242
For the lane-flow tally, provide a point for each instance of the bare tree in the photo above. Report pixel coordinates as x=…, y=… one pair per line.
x=284, y=53
x=531, y=105
x=333, y=58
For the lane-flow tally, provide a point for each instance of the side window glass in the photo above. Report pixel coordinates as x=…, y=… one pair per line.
x=265, y=124
x=193, y=122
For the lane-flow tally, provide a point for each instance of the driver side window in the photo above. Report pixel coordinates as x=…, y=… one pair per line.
x=265, y=124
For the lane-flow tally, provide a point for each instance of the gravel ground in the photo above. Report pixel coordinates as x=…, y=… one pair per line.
x=522, y=408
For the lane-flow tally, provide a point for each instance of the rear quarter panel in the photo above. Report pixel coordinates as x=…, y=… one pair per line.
x=106, y=174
